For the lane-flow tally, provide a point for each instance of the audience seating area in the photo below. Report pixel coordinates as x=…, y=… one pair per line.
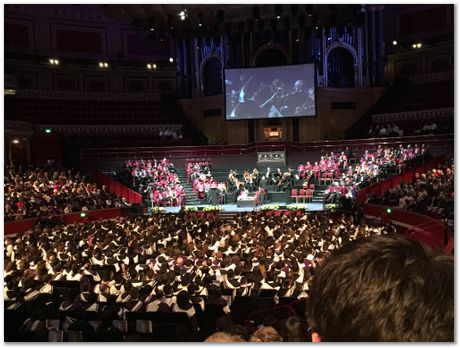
x=374, y=166
x=423, y=96
x=164, y=277
x=110, y=140
x=74, y=111
x=415, y=109
x=430, y=193
x=159, y=179
x=52, y=190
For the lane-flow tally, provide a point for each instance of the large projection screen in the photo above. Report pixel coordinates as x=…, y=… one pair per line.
x=273, y=92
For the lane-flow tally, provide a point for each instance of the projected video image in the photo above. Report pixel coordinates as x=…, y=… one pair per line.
x=274, y=92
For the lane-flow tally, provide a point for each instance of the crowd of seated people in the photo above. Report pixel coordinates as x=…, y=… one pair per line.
x=166, y=133
x=373, y=166
x=306, y=176
x=257, y=181
x=431, y=193
x=394, y=130
x=159, y=179
x=204, y=186
x=50, y=190
x=193, y=169
x=427, y=128
x=170, y=263
x=279, y=180
x=389, y=130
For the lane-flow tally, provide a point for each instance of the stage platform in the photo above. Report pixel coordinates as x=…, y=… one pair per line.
x=233, y=208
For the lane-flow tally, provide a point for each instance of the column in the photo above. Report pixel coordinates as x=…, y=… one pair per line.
x=372, y=45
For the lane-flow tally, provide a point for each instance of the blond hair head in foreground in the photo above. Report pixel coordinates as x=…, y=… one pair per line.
x=224, y=337
x=266, y=334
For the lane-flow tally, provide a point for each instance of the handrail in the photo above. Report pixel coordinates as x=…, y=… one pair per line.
x=117, y=188
x=21, y=226
x=433, y=233
x=50, y=94
x=431, y=77
x=414, y=115
x=111, y=128
x=220, y=150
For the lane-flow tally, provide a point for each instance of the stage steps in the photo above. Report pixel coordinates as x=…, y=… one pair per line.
x=190, y=197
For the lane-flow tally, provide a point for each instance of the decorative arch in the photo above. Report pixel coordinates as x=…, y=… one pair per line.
x=270, y=46
x=352, y=51
x=211, y=84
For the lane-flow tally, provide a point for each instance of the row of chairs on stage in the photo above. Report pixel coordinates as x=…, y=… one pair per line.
x=302, y=194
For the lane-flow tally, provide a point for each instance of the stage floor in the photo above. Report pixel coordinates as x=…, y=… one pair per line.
x=232, y=208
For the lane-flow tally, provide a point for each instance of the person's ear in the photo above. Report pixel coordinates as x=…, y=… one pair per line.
x=315, y=337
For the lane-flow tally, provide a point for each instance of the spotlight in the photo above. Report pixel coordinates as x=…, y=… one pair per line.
x=389, y=210
x=15, y=141
x=278, y=17
x=152, y=29
x=199, y=24
x=316, y=27
x=48, y=130
x=395, y=42
x=183, y=14
x=171, y=59
x=82, y=214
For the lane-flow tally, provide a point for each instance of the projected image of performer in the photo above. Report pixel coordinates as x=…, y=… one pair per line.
x=243, y=102
x=309, y=106
x=299, y=101
x=272, y=105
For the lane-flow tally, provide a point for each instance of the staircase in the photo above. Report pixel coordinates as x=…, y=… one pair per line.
x=318, y=195
x=190, y=197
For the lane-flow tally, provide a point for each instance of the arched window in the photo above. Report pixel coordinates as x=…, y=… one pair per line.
x=340, y=68
x=212, y=77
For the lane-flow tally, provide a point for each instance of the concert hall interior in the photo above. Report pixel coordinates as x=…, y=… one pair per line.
x=228, y=172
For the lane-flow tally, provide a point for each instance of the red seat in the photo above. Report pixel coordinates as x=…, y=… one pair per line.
x=324, y=178
x=309, y=195
x=294, y=194
x=301, y=195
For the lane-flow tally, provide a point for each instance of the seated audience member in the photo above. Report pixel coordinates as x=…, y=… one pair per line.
x=383, y=289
